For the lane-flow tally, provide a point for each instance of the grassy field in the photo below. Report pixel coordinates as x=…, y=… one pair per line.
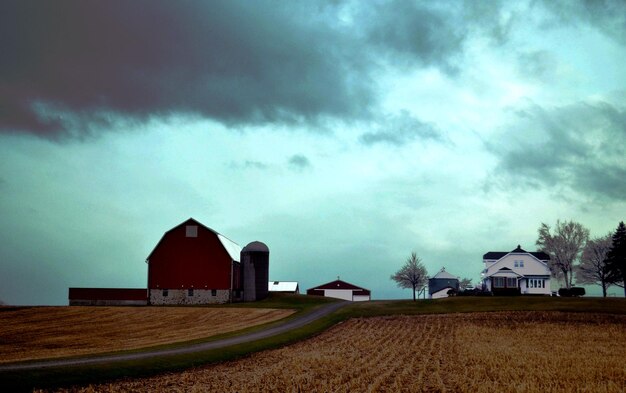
x=472, y=352
x=586, y=308
x=49, y=332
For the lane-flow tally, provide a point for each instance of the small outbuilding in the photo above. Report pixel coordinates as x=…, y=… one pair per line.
x=108, y=296
x=341, y=290
x=283, y=287
x=441, y=283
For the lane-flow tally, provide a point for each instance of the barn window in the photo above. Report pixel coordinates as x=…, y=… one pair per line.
x=191, y=231
x=213, y=292
x=190, y=292
x=165, y=293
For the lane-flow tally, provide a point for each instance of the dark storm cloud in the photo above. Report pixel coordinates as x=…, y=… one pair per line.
x=398, y=130
x=74, y=67
x=412, y=32
x=580, y=147
x=299, y=162
x=232, y=61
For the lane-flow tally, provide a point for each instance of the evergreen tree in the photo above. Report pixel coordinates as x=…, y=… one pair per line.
x=616, y=257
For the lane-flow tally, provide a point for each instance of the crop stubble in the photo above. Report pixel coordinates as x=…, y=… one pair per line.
x=47, y=332
x=480, y=352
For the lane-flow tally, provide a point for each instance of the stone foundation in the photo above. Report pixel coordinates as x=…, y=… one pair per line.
x=181, y=296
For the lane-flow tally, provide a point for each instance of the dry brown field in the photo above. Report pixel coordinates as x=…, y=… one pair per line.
x=481, y=352
x=49, y=332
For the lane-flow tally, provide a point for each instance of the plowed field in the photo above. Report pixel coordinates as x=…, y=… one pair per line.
x=48, y=332
x=481, y=352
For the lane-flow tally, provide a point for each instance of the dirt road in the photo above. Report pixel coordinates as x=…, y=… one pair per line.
x=261, y=334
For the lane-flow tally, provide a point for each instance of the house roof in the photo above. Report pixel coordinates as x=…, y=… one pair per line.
x=233, y=249
x=495, y=255
x=444, y=274
x=282, y=286
x=505, y=272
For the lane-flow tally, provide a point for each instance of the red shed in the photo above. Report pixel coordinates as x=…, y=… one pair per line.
x=108, y=296
x=193, y=264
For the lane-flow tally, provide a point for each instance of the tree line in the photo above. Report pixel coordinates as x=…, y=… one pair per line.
x=600, y=260
x=573, y=254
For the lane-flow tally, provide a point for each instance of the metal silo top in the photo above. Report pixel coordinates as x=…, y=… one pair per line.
x=256, y=246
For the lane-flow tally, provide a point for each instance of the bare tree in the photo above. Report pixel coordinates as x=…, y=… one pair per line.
x=593, y=268
x=412, y=275
x=564, y=247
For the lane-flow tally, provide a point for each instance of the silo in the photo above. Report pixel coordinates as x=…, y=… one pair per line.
x=255, y=258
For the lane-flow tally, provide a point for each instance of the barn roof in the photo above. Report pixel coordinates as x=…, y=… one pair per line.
x=495, y=255
x=233, y=249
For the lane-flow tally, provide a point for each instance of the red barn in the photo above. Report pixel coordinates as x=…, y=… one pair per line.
x=193, y=264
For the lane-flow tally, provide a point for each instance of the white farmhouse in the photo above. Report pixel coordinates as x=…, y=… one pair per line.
x=516, y=272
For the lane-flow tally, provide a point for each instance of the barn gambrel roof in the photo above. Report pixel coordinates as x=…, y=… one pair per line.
x=233, y=249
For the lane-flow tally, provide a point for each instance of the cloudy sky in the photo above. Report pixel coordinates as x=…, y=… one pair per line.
x=344, y=134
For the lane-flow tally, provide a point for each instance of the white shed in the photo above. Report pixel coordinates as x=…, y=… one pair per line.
x=341, y=290
x=283, y=287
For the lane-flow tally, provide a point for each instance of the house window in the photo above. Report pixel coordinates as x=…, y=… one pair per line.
x=190, y=292
x=191, y=231
x=213, y=292
x=165, y=293
x=537, y=283
x=521, y=263
x=498, y=282
x=516, y=264
x=511, y=282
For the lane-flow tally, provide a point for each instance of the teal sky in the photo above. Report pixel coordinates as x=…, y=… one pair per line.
x=343, y=134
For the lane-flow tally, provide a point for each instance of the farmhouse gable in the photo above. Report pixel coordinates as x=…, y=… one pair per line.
x=516, y=272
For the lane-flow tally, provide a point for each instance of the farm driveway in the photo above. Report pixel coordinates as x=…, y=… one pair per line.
x=265, y=333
